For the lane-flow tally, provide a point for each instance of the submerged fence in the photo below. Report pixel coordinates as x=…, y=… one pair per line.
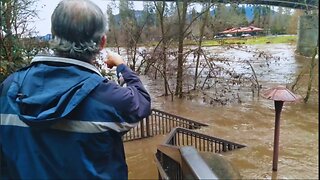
x=159, y=122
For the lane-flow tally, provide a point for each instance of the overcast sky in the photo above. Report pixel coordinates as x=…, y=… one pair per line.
x=45, y=9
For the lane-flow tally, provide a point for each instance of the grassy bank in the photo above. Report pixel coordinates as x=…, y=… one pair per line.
x=291, y=39
x=250, y=40
x=243, y=40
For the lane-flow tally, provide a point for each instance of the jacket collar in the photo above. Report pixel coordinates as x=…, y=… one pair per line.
x=83, y=64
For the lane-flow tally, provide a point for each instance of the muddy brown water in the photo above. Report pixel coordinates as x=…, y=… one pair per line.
x=250, y=123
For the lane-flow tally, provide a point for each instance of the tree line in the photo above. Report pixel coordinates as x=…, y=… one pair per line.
x=275, y=20
x=163, y=29
x=165, y=26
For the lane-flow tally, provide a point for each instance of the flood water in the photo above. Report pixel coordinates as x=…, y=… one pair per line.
x=250, y=123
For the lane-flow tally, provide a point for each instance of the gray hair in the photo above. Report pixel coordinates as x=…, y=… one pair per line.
x=77, y=27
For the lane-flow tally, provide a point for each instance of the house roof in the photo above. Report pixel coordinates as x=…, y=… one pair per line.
x=241, y=29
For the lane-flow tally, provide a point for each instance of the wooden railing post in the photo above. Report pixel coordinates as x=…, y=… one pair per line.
x=148, y=126
x=224, y=147
x=142, y=128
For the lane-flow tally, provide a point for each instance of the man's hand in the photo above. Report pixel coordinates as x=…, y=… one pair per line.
x=113, y=59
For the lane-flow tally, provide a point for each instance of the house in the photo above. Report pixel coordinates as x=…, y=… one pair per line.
x=240, y=32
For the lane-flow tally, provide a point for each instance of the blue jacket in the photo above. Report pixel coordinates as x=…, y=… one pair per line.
x=60, y=119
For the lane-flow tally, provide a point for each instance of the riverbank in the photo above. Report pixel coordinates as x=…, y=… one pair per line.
x=253, y=40
x=290, y=39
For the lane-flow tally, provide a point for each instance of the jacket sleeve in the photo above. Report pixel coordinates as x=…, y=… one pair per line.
x=133, y=102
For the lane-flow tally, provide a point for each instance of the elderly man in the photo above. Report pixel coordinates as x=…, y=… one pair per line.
x=60, y=118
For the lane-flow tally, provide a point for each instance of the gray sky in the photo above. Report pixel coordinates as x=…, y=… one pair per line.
x=45, y=9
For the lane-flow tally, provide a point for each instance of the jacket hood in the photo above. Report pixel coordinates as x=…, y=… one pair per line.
x=50, y=89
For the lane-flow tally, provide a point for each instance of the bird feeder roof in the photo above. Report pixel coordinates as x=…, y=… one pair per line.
x=280, y=93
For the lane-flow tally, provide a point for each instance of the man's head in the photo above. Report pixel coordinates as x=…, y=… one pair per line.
x=78, y=27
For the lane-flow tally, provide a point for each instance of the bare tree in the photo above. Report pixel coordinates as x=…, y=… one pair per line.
x=183, y=32
x=204, y=23
x=182, y=13
x=132, y=29
x=113, y=28
x=160, y=7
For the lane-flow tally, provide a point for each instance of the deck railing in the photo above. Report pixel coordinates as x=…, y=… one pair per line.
x=185, y=137
x=159, y=122
x=181, y=163
x=178, y=157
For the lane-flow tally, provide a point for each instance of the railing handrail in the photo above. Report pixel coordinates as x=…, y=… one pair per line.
x=182, y=118
x=159, y=122
x=195, y=164
x=180, y=129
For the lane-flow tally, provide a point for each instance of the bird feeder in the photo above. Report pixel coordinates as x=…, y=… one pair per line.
x=279, y=95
